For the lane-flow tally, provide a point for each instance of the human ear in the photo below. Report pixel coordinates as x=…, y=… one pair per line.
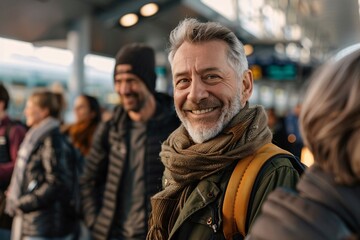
x=247, y=86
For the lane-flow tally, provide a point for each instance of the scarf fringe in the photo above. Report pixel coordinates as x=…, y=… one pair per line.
x=157, y=233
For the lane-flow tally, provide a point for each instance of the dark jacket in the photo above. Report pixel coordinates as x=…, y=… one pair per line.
x=321, y=210
x=45, y=204
x=106, y=161
x=201, y=216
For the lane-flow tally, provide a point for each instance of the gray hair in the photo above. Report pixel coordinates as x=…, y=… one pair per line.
x=192, y=31
x=330, y=118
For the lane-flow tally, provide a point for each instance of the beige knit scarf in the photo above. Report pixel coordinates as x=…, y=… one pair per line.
x=186, y=163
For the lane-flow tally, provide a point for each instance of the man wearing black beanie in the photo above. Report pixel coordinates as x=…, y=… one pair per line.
x=123, y=169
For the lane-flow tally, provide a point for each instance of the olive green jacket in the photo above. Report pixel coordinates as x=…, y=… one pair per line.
x=201, y=217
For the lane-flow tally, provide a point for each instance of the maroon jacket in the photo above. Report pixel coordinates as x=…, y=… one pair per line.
x=15, y=136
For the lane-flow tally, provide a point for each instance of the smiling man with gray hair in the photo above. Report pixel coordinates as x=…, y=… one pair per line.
x=212, y=86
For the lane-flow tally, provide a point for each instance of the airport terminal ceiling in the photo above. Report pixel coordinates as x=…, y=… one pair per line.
x=47, y=22
x=328, y=24
x=287, y=36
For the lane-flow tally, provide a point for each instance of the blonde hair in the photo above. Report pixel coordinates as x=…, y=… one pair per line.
x=192, y=31
x=48, y=100
x=330, y=118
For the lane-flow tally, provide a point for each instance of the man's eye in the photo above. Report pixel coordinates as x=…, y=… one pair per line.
x=130, y=81
x=211, y=76
x=181, y=83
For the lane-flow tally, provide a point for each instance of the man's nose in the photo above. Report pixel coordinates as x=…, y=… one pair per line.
x=198, y=91
x=125, y=88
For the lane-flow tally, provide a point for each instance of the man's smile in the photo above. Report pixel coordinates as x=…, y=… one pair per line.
x=202, y=111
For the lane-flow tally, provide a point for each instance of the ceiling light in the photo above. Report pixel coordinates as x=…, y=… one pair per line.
x=129, y=20
x=149, y=9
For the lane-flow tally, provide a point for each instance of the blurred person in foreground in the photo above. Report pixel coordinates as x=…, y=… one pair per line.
x=11, y=135
x=212, y=86
x=38, y=196
x=326, y=203
x=87, y=117
x=125, y=151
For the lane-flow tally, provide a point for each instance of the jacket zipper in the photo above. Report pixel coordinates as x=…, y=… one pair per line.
x=213, y=224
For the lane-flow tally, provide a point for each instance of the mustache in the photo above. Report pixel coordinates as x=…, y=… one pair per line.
x=129, y=95
x=204, y=104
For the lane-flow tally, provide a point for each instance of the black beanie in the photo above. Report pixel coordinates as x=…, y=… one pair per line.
x=142, y=60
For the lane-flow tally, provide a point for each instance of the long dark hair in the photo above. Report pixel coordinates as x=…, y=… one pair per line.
x=94, y=107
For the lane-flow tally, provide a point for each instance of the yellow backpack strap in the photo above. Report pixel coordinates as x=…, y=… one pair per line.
x=239, y=189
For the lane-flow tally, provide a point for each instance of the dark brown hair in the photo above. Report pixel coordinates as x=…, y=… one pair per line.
x=4, y=96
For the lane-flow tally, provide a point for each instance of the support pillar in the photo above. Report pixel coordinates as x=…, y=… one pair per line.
x=78, y=39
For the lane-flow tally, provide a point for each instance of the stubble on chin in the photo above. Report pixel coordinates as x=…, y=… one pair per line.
x=202, y=132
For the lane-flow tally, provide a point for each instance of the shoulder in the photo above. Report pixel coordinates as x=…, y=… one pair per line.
x=164, y=102
x=104, y=126
x=165, y=109
x=277, y=163
x=277, y=172
x=101, y=134
x=52, y=138
x=270, y=224
x=118, y=113
x=283, y=164
x=17, y=127
x=286, y=215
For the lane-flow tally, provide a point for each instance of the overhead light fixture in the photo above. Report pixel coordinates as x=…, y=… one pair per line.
x=129, y=20
x=149, y=9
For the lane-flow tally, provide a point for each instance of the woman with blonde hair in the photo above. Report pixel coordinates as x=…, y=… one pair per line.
x=38, y=195
x=326, y=204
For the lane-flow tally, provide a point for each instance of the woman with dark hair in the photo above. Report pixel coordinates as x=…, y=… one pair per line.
x=38, y=195
x=326, y=203
x=87, y=116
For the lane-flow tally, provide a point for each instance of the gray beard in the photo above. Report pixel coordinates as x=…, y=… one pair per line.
x=203, y=134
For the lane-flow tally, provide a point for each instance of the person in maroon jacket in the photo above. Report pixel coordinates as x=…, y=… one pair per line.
x=11, y=136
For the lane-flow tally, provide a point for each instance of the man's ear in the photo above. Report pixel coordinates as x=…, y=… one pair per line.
x=247, y=86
